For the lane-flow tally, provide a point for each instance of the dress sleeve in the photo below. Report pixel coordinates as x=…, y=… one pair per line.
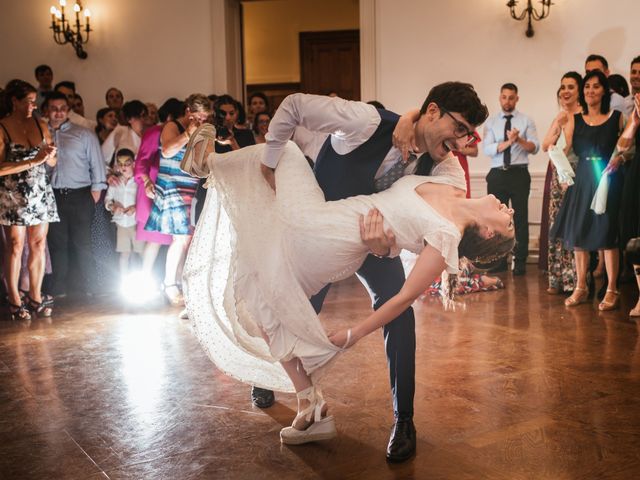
x=446, y=242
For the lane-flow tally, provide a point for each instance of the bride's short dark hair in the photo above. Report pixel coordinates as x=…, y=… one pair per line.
x=479, y=249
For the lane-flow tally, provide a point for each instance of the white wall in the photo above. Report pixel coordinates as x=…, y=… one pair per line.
x=150, y=49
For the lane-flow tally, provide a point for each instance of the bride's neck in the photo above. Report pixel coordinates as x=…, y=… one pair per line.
x=465, y=212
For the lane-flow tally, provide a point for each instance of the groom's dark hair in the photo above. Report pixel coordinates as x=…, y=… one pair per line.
x=458, y=97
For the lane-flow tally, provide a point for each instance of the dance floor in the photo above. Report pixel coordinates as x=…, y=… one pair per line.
x=512, y=386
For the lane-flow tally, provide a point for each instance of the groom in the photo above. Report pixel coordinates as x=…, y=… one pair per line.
x=358, y=159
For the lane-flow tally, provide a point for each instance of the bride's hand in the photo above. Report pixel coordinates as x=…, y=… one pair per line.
x=404, y=136
x=269, y=176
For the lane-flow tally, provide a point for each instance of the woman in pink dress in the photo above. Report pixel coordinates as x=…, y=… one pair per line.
x=145, y=174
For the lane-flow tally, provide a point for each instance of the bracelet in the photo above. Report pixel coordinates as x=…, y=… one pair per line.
x=382, y=256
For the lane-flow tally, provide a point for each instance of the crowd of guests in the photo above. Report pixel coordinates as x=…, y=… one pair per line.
x=597, y=127
x=81, y=199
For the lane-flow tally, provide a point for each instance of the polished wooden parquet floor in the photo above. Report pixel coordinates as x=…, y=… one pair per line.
x=514, y=386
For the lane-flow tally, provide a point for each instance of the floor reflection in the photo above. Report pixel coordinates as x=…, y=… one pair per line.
x=143, y=367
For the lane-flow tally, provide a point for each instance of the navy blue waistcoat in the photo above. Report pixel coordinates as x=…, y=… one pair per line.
x=343, y=176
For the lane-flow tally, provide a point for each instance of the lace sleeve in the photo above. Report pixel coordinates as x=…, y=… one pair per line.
x=446, y=243
x=450, y=173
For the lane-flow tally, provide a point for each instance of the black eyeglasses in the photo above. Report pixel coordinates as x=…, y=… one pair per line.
x=460, y=130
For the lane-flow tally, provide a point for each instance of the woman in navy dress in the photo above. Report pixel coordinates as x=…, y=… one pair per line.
x=593, y=136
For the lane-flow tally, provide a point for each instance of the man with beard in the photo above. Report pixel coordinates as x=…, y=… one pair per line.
x=509, y=138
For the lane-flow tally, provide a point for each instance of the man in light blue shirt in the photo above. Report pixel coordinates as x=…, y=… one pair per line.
x=77, y=180
x=509, y=138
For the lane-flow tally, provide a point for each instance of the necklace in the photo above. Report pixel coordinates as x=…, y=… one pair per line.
x=593, y=120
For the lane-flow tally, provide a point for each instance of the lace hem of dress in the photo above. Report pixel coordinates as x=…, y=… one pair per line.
x=236, y=289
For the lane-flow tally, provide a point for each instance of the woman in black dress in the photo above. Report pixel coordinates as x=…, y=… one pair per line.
x=630, y=212
x=593, y=136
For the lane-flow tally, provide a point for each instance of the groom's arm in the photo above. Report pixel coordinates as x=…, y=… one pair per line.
x=350, y=123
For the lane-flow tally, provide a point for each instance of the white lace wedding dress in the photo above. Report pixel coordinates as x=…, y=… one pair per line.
x=257, y=256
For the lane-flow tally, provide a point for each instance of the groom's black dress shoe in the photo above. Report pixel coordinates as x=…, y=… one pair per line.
x=262, y=398
x=402, y=443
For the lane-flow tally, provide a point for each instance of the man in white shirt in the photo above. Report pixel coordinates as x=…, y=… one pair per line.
x=358, y=158
x=121, y=201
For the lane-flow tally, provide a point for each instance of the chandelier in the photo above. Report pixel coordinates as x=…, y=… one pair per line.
x=530, y=13
x=69, y=31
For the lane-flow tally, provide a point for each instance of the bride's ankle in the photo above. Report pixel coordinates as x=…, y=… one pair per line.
x=311, y=408
x=301, y=422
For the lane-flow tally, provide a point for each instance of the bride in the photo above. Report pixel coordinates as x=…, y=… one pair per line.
x=258, y=255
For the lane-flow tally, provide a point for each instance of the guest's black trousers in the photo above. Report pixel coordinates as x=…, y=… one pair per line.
x=71, y=237
x=513, y=185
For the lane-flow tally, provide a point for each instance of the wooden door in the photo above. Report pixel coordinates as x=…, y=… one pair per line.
x=330, y=62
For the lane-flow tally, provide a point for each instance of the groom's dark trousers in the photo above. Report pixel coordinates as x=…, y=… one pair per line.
x=343, y=176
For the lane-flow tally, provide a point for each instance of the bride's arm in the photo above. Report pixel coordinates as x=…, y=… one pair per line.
x=404, y=135
x=429, y=265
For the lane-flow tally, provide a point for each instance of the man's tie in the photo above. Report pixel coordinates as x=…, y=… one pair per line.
x=389, y=177
x=507, y=152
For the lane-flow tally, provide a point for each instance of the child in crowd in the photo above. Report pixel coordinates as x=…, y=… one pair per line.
x=121, y=202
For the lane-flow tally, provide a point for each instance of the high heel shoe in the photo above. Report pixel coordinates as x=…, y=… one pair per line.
x=607, y=304
x=40, y=309
x=194, y=161
x=320, y=428
x=579, y=295
x=19, y=312
x=176, y=299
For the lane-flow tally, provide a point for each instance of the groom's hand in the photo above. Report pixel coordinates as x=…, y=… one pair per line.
x=269, y=175
x=373, y=234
